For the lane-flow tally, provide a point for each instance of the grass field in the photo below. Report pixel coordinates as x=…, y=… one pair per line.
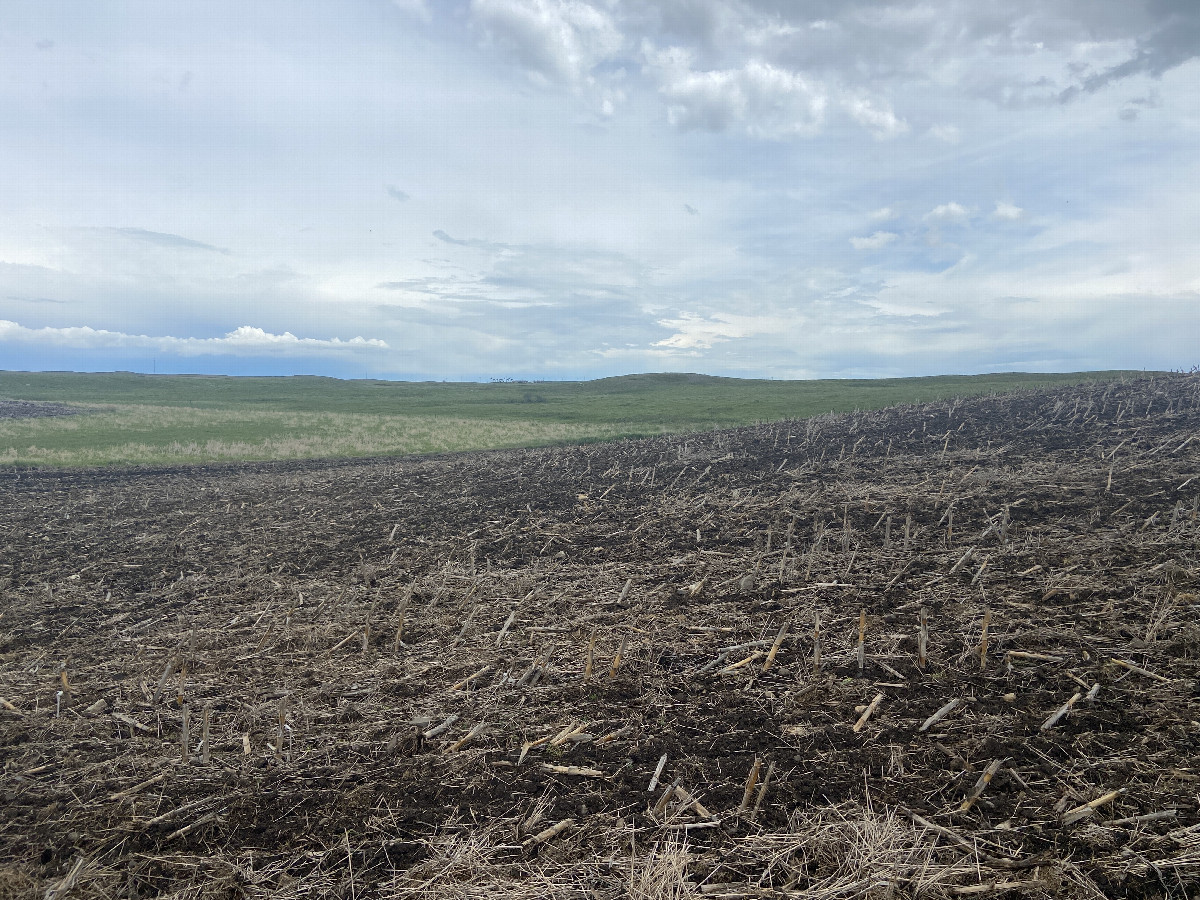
x=130, y=418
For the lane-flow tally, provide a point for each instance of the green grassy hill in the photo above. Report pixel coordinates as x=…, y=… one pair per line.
x=131, y=418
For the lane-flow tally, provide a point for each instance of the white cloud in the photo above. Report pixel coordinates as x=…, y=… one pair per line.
x=245, y=340
x=610, y=99
x=1007, y=211
x=883, y=214
x=948, y=212
x=560, y=40
x=875, y=115
x=762, y=99
x=694, y=332
x=874, y=242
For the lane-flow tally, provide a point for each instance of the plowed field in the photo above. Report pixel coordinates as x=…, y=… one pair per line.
x=703, y=665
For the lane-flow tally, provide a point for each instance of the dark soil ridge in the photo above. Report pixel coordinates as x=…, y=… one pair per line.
x=34, y=409
x=269, y=595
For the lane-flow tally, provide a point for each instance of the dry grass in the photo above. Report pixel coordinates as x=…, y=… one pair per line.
x=161, y=434
x=661, y=873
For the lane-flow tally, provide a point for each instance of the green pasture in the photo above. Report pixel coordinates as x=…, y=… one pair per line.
x=131, y=418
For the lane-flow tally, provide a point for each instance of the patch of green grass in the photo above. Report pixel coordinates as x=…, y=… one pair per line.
x=132, y=418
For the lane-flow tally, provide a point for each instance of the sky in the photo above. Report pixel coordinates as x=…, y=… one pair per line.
x=572, y=189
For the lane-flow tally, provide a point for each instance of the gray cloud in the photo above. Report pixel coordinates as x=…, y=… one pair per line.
x=779, y=68
x=395, y=193
x=1135, y=105
x=1174, y=41
x=165, y=239
x=445, y=238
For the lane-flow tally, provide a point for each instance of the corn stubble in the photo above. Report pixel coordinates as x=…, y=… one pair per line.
x=702, y=666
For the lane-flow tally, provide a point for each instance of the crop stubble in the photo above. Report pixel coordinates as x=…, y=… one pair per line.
x=367, y=678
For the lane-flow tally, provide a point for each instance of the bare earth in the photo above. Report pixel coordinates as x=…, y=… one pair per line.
x=370, y=678
x=34, y=409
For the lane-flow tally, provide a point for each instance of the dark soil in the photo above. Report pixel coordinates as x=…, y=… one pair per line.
x=267, y=598
x=34, y=409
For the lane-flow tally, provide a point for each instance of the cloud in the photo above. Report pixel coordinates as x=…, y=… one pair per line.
x=875, y=115
x=164, y=239
x=460, y=242
x=445, y=238
x=37, y=300
x=948, y=212
x=557, y=40
x=1013, y=54
x=762, y=99
x=694, y=332
x=1134, y=106
x=876, y=241
x=558, y=231
x=245, y=340
x=691, y=210
x=1007, y=211
x=1175, y=41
